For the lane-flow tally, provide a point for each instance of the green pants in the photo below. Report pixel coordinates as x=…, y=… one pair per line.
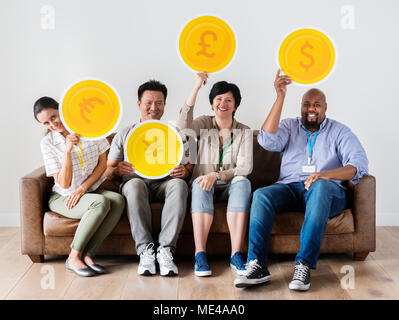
x=98, y=212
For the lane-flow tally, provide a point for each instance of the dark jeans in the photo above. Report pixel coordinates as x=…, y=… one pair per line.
x=324, y=199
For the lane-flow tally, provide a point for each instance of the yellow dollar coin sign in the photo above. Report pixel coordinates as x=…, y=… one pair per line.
x=311, y=63
x=154, y=149
x=307, y=56
x=207, y=43
x=91, y=108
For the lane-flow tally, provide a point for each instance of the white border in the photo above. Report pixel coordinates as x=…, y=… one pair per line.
x=170, y=127
x=335, y=49
x=117, y=95
x=195, y=17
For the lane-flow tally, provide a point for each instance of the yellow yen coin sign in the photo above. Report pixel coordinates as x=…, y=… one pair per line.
x=91, y=108
x=154, y=148
x=307, y=56
x=207, y=43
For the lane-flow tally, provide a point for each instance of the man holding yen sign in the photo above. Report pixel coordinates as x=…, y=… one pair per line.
x=140, y=191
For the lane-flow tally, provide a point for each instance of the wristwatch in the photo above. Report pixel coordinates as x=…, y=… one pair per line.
x=218, y=176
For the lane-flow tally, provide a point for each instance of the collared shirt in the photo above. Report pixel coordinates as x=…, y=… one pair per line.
x=117, y=151
x=238, y=155
x=53, y=147
x=335, y=147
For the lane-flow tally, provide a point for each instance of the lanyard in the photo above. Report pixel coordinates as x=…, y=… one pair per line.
x=224, y=151
x=311, y=145
x=81, y=159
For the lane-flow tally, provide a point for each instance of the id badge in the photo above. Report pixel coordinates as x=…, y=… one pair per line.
x=308, y=168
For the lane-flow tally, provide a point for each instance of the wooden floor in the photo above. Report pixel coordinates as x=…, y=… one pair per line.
x=375, y=278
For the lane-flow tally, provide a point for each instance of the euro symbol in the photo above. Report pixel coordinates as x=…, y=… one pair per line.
x=84, y=106
x=205, y=45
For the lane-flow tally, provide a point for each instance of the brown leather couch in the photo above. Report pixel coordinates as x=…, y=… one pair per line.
x=353, y=231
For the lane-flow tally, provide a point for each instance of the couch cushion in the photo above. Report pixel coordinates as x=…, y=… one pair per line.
x=285, y=223
x=290, y=223
x=265, y=162
x=55, y=224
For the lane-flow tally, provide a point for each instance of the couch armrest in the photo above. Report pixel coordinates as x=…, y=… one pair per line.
x=34, y=190
x=364, y=214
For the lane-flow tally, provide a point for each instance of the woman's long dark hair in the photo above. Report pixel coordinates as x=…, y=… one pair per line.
x=44, y=103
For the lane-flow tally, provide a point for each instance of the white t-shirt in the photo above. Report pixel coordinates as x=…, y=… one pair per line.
x=53, y=149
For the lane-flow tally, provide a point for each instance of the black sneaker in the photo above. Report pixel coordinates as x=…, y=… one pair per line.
x=301, y=278
x=254, y=274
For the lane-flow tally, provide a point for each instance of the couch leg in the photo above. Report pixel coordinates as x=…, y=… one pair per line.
x=360, y=256
x=37, y=258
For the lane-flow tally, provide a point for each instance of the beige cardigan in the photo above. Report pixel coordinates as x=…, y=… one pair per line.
x=238, y=157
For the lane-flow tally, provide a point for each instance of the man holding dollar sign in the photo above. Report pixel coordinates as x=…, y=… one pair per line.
x=317, y=155
x=138, y=191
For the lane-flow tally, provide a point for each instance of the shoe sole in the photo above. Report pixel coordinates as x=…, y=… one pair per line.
x=299, y=287
x=170, y=273
x=241, y=283
x=146, y=273
x=239, y=272
x=203, y=273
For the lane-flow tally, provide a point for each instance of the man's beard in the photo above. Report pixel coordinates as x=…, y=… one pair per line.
x=310, y=124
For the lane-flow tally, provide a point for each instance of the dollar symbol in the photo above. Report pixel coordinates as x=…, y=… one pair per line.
x=307, y=66
x=205, y=45
x=84, y=106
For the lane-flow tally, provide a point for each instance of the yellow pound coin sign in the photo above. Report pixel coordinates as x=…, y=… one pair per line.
x=207, y=44
x=154, y=148
x=91, y=108
x=307, y=56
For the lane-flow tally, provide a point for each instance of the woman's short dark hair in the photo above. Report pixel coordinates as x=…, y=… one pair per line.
x=222, y=87
x=152, y=85
x=44, y=103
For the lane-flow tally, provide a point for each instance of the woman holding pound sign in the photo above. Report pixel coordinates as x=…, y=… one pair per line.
x=77, y=167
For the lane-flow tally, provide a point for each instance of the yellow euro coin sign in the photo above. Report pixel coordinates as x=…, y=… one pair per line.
x=91, y=108
x=207, y=43
x=154, y=149
x=307, y=56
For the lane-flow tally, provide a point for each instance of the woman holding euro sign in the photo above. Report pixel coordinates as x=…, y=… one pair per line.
x=77, y=167
x=224, y=160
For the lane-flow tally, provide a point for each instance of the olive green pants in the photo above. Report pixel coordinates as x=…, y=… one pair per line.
x=98, y=212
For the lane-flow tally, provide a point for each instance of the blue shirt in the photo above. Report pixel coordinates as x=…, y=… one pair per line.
x=335, y=146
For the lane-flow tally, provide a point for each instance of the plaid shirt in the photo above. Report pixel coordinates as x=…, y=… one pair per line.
x=53, y=150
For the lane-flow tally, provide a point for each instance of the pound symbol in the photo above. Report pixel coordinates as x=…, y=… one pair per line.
x=205, y=45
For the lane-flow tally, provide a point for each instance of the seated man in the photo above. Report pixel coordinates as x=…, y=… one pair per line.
x=317, y=155
x=139, y=191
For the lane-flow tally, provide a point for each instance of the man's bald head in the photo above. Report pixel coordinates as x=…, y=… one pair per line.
x=314, y=92
x=313, y=109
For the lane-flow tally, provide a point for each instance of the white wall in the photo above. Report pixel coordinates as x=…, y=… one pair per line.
x=128, y=42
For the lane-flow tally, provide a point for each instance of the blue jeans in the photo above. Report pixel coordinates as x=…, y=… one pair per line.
x=324, y=199
x=237, y=193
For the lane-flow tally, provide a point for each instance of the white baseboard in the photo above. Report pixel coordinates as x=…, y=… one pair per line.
x=9, y=220
x=383, y=219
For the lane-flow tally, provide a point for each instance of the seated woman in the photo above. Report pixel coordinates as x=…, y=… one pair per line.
x=77, y=167
x=224, y=160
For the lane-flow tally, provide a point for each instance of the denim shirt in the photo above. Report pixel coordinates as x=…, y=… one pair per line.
x=335, y=146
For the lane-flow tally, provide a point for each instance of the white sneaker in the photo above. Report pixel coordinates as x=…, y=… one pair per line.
x=147, y=261
x=166, y=265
